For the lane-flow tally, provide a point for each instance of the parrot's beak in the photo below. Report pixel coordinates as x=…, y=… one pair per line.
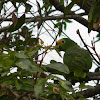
x=58, y=47
x=58, y=44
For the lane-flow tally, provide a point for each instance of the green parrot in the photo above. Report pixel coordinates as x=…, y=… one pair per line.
x=76, y=58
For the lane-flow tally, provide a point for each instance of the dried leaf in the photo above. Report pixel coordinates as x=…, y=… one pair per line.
x=14, y=19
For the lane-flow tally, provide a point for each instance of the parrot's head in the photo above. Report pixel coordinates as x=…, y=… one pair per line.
x=65, y=43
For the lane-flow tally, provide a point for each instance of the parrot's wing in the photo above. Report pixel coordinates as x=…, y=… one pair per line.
x=77, y=59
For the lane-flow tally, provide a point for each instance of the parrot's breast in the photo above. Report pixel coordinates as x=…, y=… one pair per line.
x=77, y=59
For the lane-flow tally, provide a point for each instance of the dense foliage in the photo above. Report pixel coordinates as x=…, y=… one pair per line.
x=22, y=50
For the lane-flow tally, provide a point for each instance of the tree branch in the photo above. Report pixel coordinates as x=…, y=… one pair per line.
x=85, y=6
x=94, y=76
x=4, y=28
x=78, y=32
x=80, y=19
x=59, y=7
x=90, y=76
x=91, y=92
x=37, y=19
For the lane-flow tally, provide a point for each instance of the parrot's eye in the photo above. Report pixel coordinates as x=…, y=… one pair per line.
x=62, y=41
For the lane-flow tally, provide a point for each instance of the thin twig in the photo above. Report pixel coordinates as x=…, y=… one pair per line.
x=78, y=32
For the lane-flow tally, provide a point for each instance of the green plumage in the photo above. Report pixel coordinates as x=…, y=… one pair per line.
x=77, y=59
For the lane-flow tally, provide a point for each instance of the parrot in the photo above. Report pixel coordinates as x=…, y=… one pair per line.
x=76, y=58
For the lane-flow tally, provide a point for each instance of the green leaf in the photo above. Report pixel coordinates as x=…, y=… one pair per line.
x=7, y=82
x=81, y=85
x=68, y=8
x=21, y=55
x=24, y=64
x=28, y=80
x=35, y=68
x=64, y=23
x=38, y=88
x=27, y=88
x=60, y=67
x=32, y=52
x=20, y=22
x=57, y=25
x=18, y=85
x=5, y=73
x=90, y=27
x=92, y=10
x=65, y=84
x=68, y=21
